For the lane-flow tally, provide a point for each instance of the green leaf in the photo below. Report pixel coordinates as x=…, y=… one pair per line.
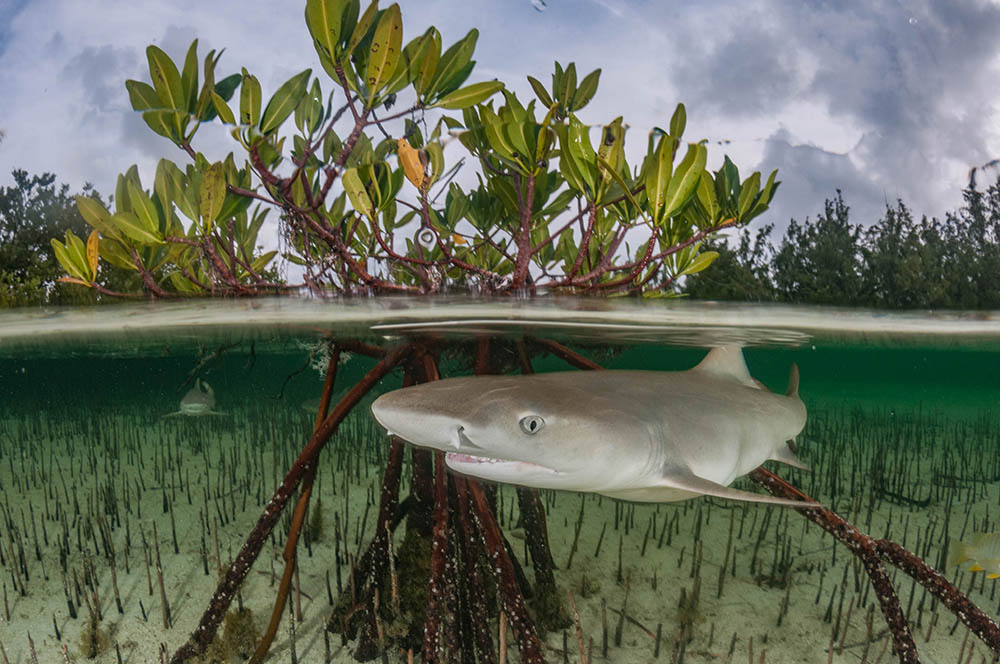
x=261, y=261
x=658, y=168
x=323, y=18
x=612, y=148
x=225, y=89
x=166, y=79
x=143, y=208
x=409, y=64
x=249, y=99
x=568, y=89
x=435, y=154
x=361, y=29
x=161, y=188
x=586, y=90
x=428, y=67
x=130, y=225
x=357, y=193
x=189, y=77
x=176, y=185
x=222, y=108
x=115, y=253
x=164, y=123
x=685, y=179
x=584, y=157
x=627, y=190
x=227, y=86
x=142, y=96
x=384, y=51
x=567, y=166
x=77, y=252
x=470, y=95
x=678, y=121
x=516, y=133
x=232, y=205
x=66, y=261
x=766, y=194
x=701, y=261
x=749, y=191
x=212, y=193
x=284, y=101
x=495, y=134
x=540, y=91
x=706, y=196
x=95, y=214
x=453, y=63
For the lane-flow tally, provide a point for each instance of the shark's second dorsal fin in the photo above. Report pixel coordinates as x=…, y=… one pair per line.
x=793, y=382
x=727, y=363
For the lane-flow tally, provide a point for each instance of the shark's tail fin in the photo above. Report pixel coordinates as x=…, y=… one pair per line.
x=793, y=381
x=958, y=553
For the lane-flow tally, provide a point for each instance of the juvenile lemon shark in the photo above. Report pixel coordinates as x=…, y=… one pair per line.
x=646, y=436
x=199, y=400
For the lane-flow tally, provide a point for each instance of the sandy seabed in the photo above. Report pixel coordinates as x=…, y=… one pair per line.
x=787, y=586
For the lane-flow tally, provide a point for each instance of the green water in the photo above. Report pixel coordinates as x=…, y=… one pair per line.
x=902, y=403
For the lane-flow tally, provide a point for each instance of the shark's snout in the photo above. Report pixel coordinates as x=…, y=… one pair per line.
x=402, y=414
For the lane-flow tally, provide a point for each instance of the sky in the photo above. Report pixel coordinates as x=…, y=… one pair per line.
x=881, y=99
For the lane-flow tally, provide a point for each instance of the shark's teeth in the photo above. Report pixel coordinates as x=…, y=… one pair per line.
x=466, y=458
x=459, y=458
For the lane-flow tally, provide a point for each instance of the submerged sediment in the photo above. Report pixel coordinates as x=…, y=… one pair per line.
x=705, y=579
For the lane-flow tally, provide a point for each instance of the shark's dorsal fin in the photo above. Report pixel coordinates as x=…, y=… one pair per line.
x=727, y=363
x=685, y=480
x=793, y=382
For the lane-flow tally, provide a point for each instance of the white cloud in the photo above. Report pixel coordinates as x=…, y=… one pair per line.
x=852, y=95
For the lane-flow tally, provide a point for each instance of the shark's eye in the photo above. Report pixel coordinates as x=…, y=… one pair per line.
x=532, y=424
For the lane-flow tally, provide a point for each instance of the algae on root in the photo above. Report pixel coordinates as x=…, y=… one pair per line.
x=314, y=527
x=239, y=638
x=94, y=640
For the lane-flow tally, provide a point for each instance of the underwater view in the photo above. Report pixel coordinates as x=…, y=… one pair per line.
x=136, y=465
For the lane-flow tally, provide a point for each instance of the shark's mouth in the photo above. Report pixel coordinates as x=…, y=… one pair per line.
x=465, y=462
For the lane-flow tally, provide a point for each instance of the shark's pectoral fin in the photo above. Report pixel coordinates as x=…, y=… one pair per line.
x=784, y=454
x=685, y=480
x=177, y=414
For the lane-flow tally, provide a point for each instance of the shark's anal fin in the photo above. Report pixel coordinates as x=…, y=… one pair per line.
x=685, y=480
x=784, y=454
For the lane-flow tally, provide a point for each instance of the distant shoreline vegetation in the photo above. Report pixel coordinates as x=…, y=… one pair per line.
x=897, y=262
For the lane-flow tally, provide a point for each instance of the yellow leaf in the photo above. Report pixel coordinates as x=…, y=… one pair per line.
x=412, y=166
x=458, y=239
x=72, y=280
x=92, y=247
